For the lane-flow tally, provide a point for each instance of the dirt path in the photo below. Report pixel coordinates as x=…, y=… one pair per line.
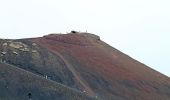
x=85, y=88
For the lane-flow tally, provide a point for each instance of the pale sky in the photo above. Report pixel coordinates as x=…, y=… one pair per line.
x=139, y=28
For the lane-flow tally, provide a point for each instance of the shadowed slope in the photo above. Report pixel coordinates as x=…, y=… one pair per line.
x=16, y=84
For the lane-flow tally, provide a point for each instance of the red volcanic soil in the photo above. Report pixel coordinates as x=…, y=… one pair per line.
x=103, y=71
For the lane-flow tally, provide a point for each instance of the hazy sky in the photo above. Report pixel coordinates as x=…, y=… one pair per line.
x=139, y=28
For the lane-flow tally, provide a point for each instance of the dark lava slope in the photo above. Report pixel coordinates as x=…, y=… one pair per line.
x=75, y=66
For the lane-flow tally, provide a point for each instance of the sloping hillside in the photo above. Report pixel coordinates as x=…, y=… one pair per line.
x=18, y=84
x=79, y=63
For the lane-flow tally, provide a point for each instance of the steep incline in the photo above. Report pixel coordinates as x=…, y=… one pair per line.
x=84, y=65
x=83, y=85
x=108, y=72
x=17, y=84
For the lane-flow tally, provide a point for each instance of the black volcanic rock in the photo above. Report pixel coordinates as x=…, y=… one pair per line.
x=75, y=66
